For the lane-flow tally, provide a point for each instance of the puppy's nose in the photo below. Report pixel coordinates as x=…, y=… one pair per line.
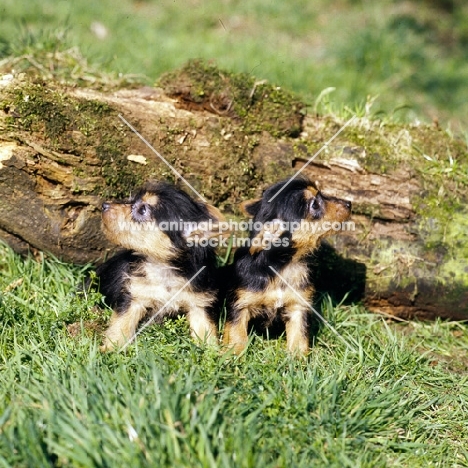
x=105, y=206
x=348, y=204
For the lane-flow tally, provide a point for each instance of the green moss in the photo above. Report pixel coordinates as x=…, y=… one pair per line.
x=37, y=108
x=394, y=265
x=257, y=105
x=378, y=157
x=436, y=258
x=455, y=271
x=73, y=126
x=421, y=154
x=441, y=164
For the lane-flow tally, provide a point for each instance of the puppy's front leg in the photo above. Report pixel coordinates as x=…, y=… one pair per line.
x=235, y=331
x=122, y=327
x=202, y=326
x=297, y=330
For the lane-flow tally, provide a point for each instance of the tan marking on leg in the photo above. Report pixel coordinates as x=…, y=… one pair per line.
x=122, y=328
x=201, y=327
x=296, y=332
x=235, y=333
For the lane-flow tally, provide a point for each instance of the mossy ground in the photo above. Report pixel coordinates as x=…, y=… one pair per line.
x=258, y=105
x=410, y=57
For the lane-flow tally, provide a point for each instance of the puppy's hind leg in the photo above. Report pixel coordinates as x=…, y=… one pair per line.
x=122, y=327
x=235, y=331
x=297, y=332
x=202, y=326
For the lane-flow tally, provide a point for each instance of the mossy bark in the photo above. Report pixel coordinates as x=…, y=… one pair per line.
x=63, y=151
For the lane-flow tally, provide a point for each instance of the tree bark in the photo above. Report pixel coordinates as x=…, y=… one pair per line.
x=63, y=151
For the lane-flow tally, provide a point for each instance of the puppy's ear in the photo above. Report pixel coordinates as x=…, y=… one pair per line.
x=214, y=227
x=207, y=230
x=250, y=207
x=215, y=213
x=270, y=233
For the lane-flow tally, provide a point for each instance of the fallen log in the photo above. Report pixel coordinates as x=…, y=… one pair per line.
x=64, y=150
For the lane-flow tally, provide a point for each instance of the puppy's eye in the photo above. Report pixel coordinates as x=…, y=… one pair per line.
x=141, y=211
x=315, y=205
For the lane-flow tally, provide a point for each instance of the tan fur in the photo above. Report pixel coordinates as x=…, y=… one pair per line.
x=296, y=335
x=122, y=327
x=201, y=327
x=214, y=212
x=150, y=198
x=119, y=228
x=310, y=192
x=235, y=333
x=335, y=212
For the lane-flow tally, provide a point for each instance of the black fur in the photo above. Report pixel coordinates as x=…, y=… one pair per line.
x=112, y=276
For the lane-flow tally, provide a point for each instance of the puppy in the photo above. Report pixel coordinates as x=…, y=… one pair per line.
x=162, y=271
x=271, y=278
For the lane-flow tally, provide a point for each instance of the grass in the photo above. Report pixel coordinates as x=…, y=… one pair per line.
x=410, y=56
x=395, y=396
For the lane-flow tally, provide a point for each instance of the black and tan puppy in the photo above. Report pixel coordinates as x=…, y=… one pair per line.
x=161, y=272
x=271, y=277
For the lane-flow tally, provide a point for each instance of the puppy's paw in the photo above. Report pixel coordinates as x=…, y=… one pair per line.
x=235, y=347
x=109, y=346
